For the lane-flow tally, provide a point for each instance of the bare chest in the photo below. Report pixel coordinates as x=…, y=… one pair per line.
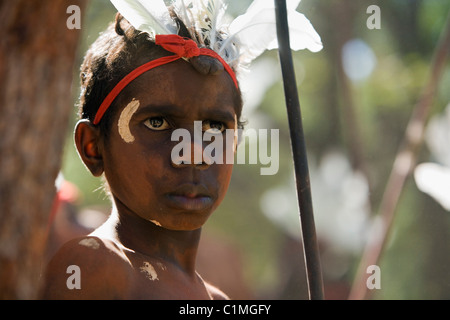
x=156, y=280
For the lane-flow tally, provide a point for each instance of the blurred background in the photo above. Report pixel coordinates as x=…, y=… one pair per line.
x=357, y=97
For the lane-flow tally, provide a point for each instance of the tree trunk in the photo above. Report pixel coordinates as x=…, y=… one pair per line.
x=37, y=54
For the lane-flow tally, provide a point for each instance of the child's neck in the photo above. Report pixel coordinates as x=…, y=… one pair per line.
x=149, y=239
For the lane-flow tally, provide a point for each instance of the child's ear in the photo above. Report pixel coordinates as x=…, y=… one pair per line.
x=87, y=139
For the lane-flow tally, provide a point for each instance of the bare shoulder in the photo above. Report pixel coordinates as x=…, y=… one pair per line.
x=216, y=293
x=87, y=268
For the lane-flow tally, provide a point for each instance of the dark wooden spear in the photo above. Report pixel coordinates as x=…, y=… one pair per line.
x=298, y=147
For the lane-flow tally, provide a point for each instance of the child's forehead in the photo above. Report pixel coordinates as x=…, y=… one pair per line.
x=179, y=83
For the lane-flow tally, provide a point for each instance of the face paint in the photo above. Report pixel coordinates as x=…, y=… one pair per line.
x=161, y=266
x=149, y=271
x=124, y=121
x=90, y=243
x=156, y=223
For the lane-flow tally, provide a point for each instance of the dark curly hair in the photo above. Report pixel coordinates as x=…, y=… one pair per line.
x=119, y=50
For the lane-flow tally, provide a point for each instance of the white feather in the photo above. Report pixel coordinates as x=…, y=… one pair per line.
x=203, y=18
x=302, y=34
x=215, y=10
x=291, y=4
x=239, y=43
x=255, y=30
x=148, y=16
x=184, y=13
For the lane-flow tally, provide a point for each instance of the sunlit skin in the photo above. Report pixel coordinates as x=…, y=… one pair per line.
x=147, y=248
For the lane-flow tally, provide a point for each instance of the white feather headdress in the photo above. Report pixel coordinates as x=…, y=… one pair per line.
x=238, y=42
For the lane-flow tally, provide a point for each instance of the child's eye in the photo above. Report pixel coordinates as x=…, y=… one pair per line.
x=157, y=123
x=213, y=126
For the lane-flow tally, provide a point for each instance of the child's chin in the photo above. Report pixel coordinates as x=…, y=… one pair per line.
x=189, y=221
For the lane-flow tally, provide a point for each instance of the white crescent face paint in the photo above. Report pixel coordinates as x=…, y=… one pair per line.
x=124, y=121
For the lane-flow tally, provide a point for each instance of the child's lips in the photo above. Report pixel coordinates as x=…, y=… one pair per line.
x=191, y=197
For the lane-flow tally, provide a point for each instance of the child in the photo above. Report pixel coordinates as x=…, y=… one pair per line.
x=138, y=88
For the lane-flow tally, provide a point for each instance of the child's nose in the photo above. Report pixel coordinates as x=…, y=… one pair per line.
x=192, y=156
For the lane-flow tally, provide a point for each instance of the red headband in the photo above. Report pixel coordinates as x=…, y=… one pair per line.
x=183, y=48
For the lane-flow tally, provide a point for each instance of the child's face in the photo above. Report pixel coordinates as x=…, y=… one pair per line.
x=141, y=175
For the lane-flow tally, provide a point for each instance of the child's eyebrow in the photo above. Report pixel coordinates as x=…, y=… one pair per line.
x=221, y=115
x=177, y=112
x=166, y=109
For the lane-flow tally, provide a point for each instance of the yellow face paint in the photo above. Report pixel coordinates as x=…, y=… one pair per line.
x=124, y=121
